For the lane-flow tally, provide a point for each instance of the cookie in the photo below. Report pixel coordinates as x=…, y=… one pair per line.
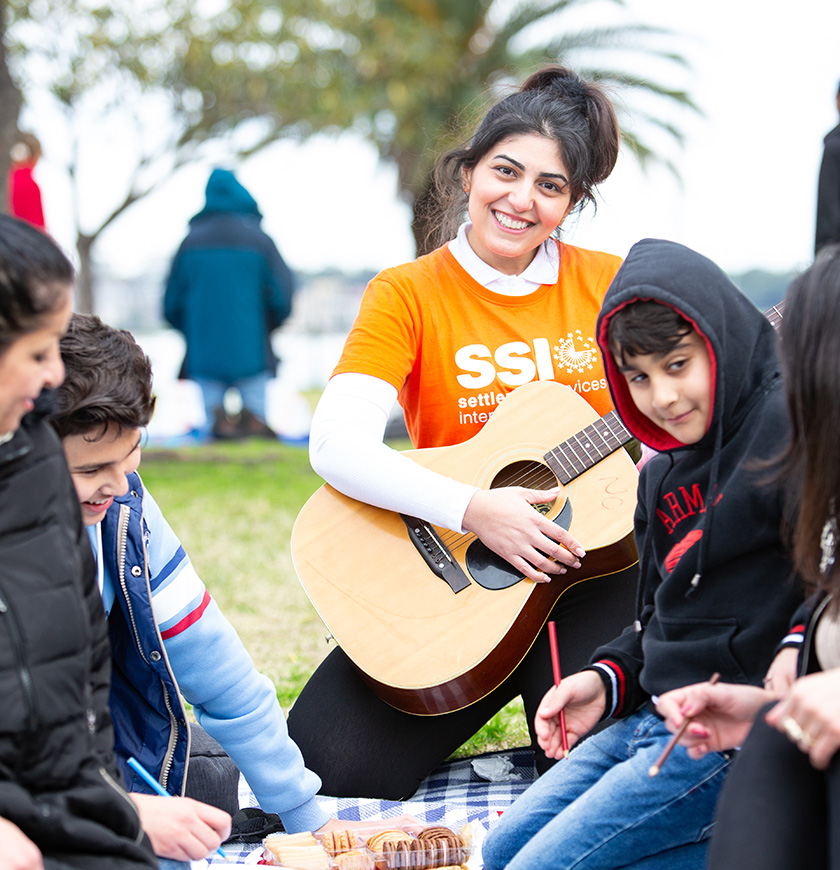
x=439, y=847
x=355, y=859
x=393, y=835
x=298, y=850
x=339, y=841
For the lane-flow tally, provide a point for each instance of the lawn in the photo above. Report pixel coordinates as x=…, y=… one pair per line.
x=233, y=507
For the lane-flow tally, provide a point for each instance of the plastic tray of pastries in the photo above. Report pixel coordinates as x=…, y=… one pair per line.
x=431, y=847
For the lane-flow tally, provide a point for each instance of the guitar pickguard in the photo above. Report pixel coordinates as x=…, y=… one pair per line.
x=490, y=570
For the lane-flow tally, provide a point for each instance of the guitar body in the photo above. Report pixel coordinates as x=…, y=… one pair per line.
x=423, y=648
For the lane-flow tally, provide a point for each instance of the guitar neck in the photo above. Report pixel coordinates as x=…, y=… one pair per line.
x=775, y=315
x=587, y=447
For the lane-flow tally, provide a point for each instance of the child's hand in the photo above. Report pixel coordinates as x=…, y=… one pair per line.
x=721, y=714
x=583, y=698
x=506, y=522
x=810, y=716
x=782, y=672
x=182, y=829
x=17, y=851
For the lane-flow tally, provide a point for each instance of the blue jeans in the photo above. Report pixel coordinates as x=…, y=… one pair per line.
x=169, y=864
x=600, y=810
x=252, y=390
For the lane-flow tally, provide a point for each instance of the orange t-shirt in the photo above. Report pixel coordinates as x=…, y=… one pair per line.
x=454, y=349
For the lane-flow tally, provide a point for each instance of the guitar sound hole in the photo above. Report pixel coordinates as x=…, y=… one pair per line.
x=486, y=567
x=531, y=475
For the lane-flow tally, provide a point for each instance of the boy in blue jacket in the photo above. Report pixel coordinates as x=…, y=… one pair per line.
x=693, y=371
x=168, y=635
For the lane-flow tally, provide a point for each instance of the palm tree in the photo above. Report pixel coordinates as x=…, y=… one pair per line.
x=425, y=70
x=409, y=75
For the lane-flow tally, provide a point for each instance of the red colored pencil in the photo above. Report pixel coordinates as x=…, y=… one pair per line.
x=555, y=664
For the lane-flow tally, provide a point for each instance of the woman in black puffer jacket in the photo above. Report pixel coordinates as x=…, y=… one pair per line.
x=61, y=802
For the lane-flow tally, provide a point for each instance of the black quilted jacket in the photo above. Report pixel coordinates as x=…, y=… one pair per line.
x=58, y=781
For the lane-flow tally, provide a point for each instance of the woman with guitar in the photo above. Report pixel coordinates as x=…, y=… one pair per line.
x=502, y=303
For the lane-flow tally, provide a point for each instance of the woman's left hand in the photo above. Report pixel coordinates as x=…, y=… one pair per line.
x=809, y=715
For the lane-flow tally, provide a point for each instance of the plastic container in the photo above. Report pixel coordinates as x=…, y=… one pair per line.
x=429, y=847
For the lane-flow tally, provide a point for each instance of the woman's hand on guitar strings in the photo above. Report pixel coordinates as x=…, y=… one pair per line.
x=583, y=698
x=505, y=521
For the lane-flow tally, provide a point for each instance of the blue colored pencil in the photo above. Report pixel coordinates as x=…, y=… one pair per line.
x=138, y=768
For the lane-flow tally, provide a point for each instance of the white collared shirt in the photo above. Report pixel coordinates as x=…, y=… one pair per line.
x=543, y=269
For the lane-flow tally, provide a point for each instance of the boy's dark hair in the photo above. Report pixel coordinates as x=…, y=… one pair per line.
x=107, y=380
x=645, y=327
x=34, y=279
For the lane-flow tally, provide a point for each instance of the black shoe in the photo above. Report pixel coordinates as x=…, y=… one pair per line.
x=225, y=428
x=250, y=426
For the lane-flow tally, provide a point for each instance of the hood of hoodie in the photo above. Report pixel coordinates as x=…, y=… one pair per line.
x=740, y=340
x=225, y=194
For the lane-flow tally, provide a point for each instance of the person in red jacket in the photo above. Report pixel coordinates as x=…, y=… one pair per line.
x=22, y=189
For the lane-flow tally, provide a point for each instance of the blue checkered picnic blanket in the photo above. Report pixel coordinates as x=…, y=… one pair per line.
x=454, y=794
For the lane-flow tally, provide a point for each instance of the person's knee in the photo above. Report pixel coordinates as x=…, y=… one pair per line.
x=497, y=850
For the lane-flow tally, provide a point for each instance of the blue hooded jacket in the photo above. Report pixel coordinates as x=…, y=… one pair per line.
x=228, y=287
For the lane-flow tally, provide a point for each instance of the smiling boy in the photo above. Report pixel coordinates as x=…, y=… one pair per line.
x=168, y=636
x=693, y=371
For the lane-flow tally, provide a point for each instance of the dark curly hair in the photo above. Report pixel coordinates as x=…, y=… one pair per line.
x=107, y=380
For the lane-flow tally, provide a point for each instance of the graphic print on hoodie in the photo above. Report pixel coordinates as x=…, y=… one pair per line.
x=716, y=588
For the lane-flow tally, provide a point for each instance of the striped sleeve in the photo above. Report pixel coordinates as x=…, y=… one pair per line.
x=795, y=636
x=615, y=684
x=179, y=597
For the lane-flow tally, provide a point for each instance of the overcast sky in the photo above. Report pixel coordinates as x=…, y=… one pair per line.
x=765, y=76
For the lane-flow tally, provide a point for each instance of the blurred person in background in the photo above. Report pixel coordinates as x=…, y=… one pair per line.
x=24, y=194
x=228, y=289
x=828, y=191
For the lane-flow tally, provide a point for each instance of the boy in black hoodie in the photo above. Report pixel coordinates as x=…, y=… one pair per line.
x=693, y=371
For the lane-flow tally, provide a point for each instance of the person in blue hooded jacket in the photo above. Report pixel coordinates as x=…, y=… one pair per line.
x=228, y=289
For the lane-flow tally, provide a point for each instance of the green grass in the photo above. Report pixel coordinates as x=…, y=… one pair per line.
x=233, y=507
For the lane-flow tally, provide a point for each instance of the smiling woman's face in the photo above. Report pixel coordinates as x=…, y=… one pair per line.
x=518, y=195
x=30, y=363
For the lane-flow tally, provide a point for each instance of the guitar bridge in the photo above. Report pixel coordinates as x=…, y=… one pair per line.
x=435, y=553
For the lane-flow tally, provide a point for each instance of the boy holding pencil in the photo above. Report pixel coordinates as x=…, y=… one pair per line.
x=168, y=635
x=693, y=371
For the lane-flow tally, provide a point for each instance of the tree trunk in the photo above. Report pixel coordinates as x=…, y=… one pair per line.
x=84, y=280
x=421, y=222
x=9, y=110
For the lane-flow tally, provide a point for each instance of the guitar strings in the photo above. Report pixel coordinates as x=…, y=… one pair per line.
x=608, y=431
x=537, y=476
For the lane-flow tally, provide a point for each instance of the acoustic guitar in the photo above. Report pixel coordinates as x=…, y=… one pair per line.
x=433, y=619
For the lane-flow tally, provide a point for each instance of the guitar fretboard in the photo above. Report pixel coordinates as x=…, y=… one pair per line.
x=587, y=447
x=774, y=314
x=597, y=441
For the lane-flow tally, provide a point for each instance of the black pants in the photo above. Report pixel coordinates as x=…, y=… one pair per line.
x=362, y=747
x=776, y=811
x=212, y=777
